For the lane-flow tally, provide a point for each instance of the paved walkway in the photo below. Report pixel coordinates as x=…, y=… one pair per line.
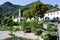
x=27, y=35
x=5, y=34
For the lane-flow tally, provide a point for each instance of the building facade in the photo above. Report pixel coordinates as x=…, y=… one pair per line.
x=53, y=14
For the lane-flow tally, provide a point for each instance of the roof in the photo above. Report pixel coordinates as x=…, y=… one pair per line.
x=53, y=10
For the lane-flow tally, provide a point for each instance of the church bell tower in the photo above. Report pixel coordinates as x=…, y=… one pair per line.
x=19, y=16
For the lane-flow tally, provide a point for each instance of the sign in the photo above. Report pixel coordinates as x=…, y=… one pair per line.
x=45, y=26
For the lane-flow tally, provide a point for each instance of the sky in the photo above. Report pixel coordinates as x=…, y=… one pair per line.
x=25, y=2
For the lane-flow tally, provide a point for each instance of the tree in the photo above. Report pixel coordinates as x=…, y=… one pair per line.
x=48, y=36
x=27, y=14
x=38, y=10
x=56, y=6
x=8, y=22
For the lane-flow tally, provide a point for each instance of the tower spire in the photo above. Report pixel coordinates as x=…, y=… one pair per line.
x=19, y=12
x=19, y=16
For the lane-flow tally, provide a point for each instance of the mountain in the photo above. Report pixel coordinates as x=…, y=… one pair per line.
x=49, y=5
x=9, y=9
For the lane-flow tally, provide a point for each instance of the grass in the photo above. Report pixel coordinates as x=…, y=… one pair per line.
x=23, y=25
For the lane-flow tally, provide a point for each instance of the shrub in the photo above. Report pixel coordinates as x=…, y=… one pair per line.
x=49, y=37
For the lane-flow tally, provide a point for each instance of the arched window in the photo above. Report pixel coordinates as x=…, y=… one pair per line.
x=57, y=18
x=47, y=19
x=51, y=13
x=54, y=18
x=48, y=14
x=57, y=13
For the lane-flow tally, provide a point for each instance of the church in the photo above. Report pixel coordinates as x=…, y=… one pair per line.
x=19, y=18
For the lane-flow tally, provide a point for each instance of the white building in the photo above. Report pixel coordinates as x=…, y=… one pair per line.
x=52, y=14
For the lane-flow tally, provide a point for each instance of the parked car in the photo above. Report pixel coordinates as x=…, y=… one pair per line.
x=38, y=32
x=28, y=30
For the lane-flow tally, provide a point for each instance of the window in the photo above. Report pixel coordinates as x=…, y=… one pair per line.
x=57, y=13
x=51, y=13
x=57, y=18
x=54, y=18
x=46, y=18
x=54, y=13
x=48, y=14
